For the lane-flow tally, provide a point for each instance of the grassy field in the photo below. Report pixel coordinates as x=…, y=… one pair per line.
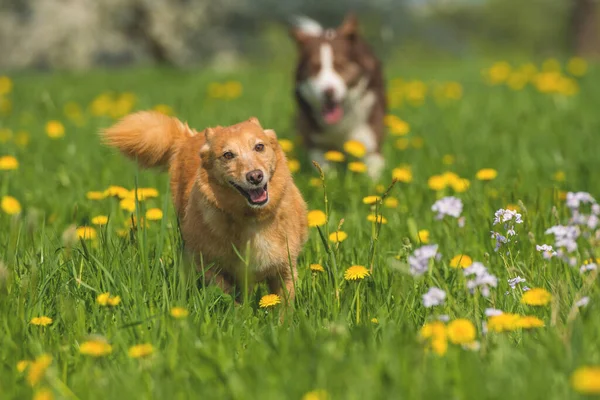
x=368, y=338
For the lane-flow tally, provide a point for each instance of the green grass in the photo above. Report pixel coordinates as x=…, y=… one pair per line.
x=239, y=352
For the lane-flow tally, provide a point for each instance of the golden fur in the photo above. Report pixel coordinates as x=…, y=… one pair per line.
x=214, y=216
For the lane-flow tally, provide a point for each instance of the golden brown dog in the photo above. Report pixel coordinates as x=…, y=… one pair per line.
x=232, y=188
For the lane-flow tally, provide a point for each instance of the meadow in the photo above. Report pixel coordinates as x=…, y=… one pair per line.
x=417, y=299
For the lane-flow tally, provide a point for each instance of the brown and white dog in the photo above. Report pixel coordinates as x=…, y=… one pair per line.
x=232, y=189
x=339, y=91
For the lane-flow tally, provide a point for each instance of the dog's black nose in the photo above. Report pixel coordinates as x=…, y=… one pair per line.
x=329, y=93
x=254, y=177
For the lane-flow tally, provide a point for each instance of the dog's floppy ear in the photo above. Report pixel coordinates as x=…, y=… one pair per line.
x=255, y=121
x=304, y=28
x=349, y=27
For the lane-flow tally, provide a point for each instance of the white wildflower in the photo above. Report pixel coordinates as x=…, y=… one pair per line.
x=575, y=199
x=502, y=216
x=515, y=281
x=450, y=206
x=588, y=267
x=419, y=260
x=493, y=312
x=583, y=302
x=547, y=251
x=434, y=297
x=482, y=280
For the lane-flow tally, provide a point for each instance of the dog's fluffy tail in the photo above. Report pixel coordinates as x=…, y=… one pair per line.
x=147, y=137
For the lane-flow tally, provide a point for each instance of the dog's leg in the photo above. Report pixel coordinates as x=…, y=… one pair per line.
x=283, y=284
x=375, y=164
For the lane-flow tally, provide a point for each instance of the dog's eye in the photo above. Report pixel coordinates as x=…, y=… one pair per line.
x=228, y=155
x=259, y=147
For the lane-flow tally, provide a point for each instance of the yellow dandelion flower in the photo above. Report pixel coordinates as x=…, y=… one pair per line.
x=402, y=144
x=122, y=232
x=448, y=159
x=423, y=236
x=358, y=167
x=559, y=176
x=127, y=204
x=513, y=207
x=122, y=105
x=102, y=299
x=100, y=220
x=403, y=174
x=10, y=205
x=577, y=66
x=316, y=218
x=334, y=156
x=317, y=268
x=293, y=165
x=145, y=193
x=316, y=395
x=499, y=72
x=233, y=89
x=72, y=110
x=371, y=199
x=517, y=81
x=163, y=109
x=95, y=195
x=114, y=301
x=8, y=163
x=461, y=331
x=269, y=300
x=374, y=321
x=286, y=145
x=95, y=348
x=86, y=233
x=356, y=272
x=536, y=297
x=5, y=85
x=528, y=322
x=22, y=365
x=417, y=142
x=586, y=380
x=154, y=214
x=486, y=174
x=504, y=322
x=315, y=182
x=397, y=126
x=461, y=261
x=117, y=191
x=338, y=237
x=37, y=369
x=5, y=106
x=355, y=148
x=41, y=321
x=436, y=335
x=433, y=329
x=390, y=202
x=437, y=183
x=101, y=105
x=22, y=139
x=140, y=350
x=460, y=185
x=55, y=129
x=43, y=394
x=5, y=135
x=453, y=90
x=377, y=218
x=179, y=312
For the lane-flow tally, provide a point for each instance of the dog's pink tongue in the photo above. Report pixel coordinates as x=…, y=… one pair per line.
x=332, y=115
x=257, y=195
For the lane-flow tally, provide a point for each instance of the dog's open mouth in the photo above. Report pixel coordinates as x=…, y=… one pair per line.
x=255, y=197
x=332, y=112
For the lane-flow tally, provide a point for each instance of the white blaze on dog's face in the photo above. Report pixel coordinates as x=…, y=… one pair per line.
x=326, y=71
x=243, y=157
